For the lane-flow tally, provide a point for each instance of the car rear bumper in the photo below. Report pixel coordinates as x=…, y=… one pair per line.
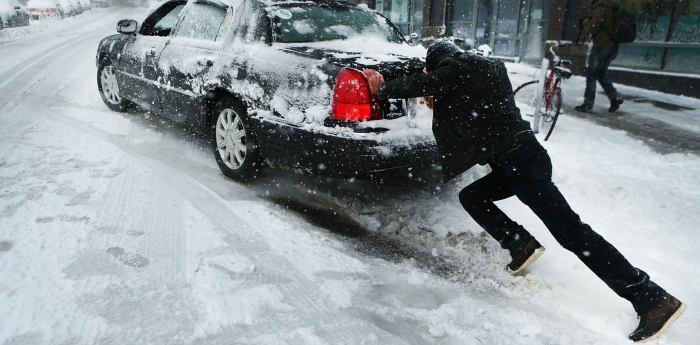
x=340, y=156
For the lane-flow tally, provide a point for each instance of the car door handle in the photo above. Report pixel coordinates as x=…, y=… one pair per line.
x=241, y=74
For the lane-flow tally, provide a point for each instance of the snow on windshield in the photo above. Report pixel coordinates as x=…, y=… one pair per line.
x=303, y=27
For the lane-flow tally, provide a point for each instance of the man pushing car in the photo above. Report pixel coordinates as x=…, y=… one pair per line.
x=475, y=120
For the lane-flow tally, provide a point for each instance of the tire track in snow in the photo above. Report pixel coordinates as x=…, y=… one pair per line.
x=42, y=64
x=39, y=63
x=11, y=73
x=14, y=88
x=25, y=76
x=300, y=292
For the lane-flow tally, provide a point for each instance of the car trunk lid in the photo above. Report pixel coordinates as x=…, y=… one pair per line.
x=391, y=66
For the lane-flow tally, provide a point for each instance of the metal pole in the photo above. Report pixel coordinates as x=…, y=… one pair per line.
x=517, y=29
x=494, y=25
x=540, y=95
x=526, y=24
x=475, y=13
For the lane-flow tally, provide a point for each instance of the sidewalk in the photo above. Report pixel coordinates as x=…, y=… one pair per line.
x=667, y=123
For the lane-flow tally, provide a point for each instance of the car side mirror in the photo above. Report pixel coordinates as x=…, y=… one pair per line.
x=127, y=26
x=413, y=36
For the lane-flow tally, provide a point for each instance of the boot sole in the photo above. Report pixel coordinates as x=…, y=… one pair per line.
x=536, y=255
x=668, y=324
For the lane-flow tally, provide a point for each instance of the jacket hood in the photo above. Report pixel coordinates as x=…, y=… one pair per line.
x=439, y=51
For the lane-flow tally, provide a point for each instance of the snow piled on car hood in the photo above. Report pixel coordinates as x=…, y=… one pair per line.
x=367, y=45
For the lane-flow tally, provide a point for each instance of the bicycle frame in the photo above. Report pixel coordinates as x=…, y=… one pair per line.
x=549, y=88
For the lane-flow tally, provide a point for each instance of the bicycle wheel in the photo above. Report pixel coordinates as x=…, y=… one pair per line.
x=526, y=97
x=549, y=117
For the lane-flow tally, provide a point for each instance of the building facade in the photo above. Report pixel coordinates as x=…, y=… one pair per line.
x=667, y=46
x=512, y=28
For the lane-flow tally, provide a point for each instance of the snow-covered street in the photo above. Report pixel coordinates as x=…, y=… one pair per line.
x=119, y=228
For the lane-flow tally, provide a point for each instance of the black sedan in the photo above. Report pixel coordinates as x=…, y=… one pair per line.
x=273, y=83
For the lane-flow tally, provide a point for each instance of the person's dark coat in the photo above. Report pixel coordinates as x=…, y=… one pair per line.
x=601, y=24
x=475, y=117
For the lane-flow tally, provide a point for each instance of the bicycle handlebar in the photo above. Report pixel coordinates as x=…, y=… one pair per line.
x=555, y=58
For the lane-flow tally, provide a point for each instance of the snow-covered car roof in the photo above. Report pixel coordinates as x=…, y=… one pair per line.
x=42, y=3
x=10, y=4
x=65, y=4
x=7, y=8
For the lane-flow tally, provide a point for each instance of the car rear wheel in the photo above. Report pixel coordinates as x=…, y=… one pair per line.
x=109, y=89
x=234, y=143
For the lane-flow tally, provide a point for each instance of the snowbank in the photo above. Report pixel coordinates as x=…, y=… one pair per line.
x=35, y=27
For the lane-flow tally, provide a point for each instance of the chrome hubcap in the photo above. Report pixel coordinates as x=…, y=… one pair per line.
x=231, y=139
x=110, y=89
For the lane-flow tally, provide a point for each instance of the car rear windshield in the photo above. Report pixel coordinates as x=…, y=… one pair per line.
x=313, y=23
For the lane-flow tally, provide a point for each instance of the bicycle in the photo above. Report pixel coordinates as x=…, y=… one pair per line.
x=526, y=96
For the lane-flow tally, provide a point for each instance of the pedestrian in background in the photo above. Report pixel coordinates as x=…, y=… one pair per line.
x=599, y=27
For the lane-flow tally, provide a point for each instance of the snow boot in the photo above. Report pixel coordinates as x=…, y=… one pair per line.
x=532, y=251
x=657, y=320
x=615, y=104
x=583, y=108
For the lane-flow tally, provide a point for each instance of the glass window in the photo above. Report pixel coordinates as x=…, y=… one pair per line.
x=484, y=21
x=206, y=22
x=537, y=25
x=417, y=25
x=687, y=22
x=169, y=20
x=656, y=18
x=506, y=29
x=161, y=21
x=406, y=15
x=653, y=18
x=639, y=56
x=683, y=60
x=399, y=12
x=663, y=21
x=461, y=19
x=313, y=23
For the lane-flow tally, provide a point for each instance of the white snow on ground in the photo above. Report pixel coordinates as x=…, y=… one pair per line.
x=10, y=34
x=572, y=90
x=119, y=228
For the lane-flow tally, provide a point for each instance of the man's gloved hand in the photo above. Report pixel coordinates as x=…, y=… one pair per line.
x=374, y=79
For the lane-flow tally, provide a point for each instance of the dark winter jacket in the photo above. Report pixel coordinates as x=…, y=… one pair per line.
x=600, y=25
x=474, y=118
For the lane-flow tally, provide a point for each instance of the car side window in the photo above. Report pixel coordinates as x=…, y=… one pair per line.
x=169, y=20
x=206, y=22
x=161, y=22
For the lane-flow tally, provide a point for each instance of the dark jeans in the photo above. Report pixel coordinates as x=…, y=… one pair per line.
x=599, y=60
x=526, y=172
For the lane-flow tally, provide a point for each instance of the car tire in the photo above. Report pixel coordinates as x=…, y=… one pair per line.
x=109, y=90
x=233, y=141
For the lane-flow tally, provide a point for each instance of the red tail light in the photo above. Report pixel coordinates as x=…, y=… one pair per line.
x=352, y=99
